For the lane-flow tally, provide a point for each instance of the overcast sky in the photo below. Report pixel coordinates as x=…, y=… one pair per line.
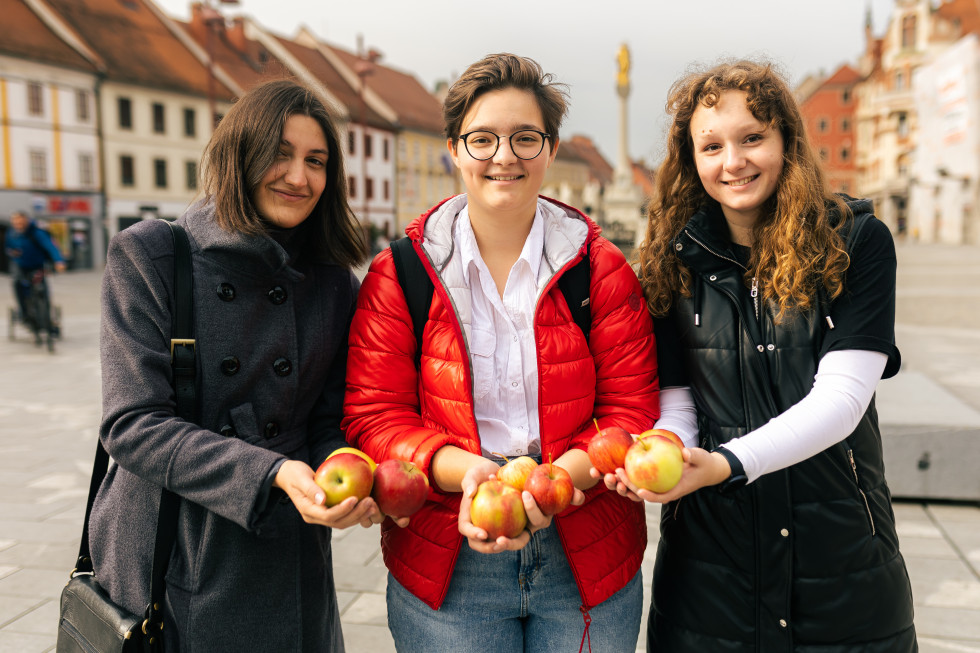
x=577, y=40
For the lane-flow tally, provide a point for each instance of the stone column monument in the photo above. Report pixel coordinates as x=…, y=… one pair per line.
x=623, y=201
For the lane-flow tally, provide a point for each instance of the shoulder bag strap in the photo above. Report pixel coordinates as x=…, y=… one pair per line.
x=417, y=287
x=575, y=285
x=183, y=362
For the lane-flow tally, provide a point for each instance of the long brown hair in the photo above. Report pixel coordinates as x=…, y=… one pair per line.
x=796, y=247
x=244, y=146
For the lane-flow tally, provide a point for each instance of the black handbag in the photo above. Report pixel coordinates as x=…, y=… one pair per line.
x=89, y=622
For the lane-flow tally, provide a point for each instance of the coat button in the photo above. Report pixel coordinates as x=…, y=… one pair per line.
x=226, y=292
x=784, y=532
x=230, y=366
x=770, y=347
x=271, y=430
x=782, y=622
x=678, y=246
x=228, y=431
x=277, y=295
x=713, y=277
x=760, y=348
x=282, y=366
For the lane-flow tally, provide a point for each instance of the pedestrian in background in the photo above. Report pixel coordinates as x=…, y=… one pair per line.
x=504, y=369
x=30, y=248
x=273, y=242
x=774, y=302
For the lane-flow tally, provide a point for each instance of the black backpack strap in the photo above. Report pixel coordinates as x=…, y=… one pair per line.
x=416, y=286
x=575, y=285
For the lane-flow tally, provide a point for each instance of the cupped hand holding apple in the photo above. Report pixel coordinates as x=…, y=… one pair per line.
x=701, y=469
x=296, y=479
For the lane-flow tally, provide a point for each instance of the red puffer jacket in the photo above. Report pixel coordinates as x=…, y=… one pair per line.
x=393, y=411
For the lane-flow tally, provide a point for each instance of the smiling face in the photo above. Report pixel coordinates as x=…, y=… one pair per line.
x=504, y=185
x=738, y=157
x=292, y=185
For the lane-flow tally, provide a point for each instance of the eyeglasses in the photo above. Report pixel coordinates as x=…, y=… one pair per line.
x=525, y=144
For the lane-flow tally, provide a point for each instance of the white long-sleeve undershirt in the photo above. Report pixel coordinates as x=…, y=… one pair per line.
x=842, y=389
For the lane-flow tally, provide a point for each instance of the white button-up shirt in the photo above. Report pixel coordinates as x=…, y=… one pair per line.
x=502, y=353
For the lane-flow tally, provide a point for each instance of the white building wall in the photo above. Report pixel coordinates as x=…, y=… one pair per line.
x=946, y=170
x=379, y=211
x=144, y=198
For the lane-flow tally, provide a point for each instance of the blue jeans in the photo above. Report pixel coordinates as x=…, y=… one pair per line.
x=514, y=601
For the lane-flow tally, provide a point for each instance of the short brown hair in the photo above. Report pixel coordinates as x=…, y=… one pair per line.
x=495, y=72
x=244, y=146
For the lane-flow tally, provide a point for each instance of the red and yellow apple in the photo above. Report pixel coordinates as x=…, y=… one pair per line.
x=356, y=452
x=654, y=463
x=344, y=475
x=607, y=448
x=516, y=471
x=664, y=433
x=498, y=509
x=551, y=486
x=400, y=488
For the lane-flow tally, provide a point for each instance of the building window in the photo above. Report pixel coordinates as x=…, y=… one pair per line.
x=387, y=186
x=35, y=99
x=125, y=107
x=352, y=187
x=824, y=154
x=351, y=140
x=367, y=146
x=845, y=125
x=159, y=123
x=899, y=80
x=190, y=123
x=81, y=105
x=86, y=170
x=190, y=172
x=845, y=96
x=903, y=125
x=369, y=188
x=908, y=32
x=127, y=176
x=845, y=154
x=39, y=168
x=160, y=173
x=823, y=125
x=386, y=149
x=845, y=188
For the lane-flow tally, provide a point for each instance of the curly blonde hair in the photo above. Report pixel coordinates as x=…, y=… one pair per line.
x=796, y=248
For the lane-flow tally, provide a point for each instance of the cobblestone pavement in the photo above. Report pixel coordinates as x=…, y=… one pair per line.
x=50, y=408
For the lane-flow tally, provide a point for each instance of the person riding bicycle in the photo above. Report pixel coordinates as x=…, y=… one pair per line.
x=29, y=247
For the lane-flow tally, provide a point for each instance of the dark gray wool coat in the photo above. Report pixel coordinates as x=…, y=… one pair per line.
x=246, y=574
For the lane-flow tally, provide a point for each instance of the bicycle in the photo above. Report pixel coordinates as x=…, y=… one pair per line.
x=40, y=318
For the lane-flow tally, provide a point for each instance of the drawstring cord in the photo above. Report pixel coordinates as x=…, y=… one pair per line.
x=587, y=618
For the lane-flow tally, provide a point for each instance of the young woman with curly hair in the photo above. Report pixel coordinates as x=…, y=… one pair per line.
x=774, y=303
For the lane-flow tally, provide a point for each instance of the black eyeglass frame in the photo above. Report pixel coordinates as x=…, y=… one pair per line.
x=544, y=137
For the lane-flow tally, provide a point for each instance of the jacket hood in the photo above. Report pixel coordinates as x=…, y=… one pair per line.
x=566, y=230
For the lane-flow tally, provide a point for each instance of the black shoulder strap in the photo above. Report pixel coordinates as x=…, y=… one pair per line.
x=182, y=349
x=417, y=287
x=575, y=285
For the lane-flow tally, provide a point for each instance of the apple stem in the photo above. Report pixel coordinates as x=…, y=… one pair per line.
x=596, y=422
x=506, y=460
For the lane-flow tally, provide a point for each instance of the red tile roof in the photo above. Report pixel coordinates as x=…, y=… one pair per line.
x=600, y=169
x=415, y=106
x=246, y=61
x=136, y=45
x=335, y=83
x=23, y=34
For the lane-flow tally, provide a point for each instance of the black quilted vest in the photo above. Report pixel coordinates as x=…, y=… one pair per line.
x=803, y=559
